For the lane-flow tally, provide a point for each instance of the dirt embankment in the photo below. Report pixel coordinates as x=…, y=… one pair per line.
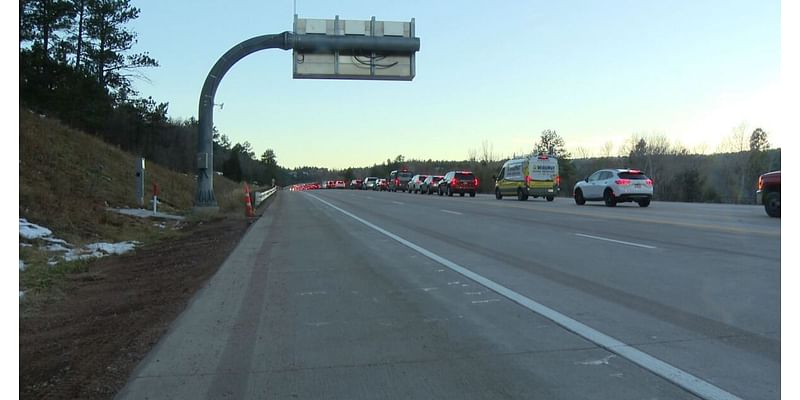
x=85, y=344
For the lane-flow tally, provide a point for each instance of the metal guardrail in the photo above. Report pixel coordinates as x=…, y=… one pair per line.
x=261, y=196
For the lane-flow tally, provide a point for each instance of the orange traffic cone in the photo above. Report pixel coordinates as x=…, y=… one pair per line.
x=248, y=207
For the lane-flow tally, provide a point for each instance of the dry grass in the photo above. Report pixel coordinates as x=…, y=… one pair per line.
x=68, y=178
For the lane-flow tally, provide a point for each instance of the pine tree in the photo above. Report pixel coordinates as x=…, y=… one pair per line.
x=43, y=21
x=108, y=41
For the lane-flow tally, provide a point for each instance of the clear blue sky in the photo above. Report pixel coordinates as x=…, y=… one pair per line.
x=594, y=71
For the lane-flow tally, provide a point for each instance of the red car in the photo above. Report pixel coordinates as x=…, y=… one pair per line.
x=460, y=182
x=382, y=184
x=769, y=193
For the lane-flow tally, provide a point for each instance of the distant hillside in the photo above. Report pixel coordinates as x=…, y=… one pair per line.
x=68, y=178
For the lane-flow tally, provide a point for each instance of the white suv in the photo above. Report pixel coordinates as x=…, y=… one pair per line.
x=615, y=186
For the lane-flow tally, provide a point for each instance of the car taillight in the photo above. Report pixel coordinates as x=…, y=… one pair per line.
x=649, y=182
x=475, y=181
x=527, y=179
x=558, y=180
x=623, y=182
x=454, y=182
x=396, y=181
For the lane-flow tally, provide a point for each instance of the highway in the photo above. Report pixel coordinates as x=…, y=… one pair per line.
x=375, y=295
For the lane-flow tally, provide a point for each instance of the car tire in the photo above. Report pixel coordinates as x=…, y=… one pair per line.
x=644, y=203
x=449, y=192
x=772, y=204
x=550, y=198
x=461, y=194
x=440, y=191
x=497, y=194
x=471, y=194
x=579, y=200
x=608, y=198
x=520, y=196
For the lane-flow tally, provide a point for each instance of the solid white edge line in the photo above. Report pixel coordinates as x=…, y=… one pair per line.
x=616, y=241
x=667, y=371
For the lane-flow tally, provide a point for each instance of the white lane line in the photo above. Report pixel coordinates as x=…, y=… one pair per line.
x=313, y=293
x=484, y=301
x=667, y=371
x=451, y=212
x=616, y=241
x=398, y=203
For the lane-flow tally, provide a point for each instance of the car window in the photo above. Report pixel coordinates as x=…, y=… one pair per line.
x=632, y=175
x=502, y=173
x=405, y=175
x=595, y=176
x=605, y=175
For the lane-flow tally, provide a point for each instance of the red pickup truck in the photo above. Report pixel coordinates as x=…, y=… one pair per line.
x=769, y=193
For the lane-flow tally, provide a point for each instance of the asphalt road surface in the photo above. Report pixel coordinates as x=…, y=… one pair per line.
x=374, y=295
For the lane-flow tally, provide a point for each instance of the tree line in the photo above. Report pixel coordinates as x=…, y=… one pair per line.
x=77, y=64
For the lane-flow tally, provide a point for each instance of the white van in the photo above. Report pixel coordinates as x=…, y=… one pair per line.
x=535, y=175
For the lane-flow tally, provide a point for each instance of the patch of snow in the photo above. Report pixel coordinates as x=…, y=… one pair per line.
x=112, y=248
x=142, y=213
x=80, y=254
x=56, y=247
x=56, y=240
x=21, y=295
x=160, y=225
x=94, y=250
x=97, y=250
x=32, y=231
x=21, y=266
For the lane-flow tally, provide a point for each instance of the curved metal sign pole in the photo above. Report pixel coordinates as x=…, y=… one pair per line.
x=204, y=198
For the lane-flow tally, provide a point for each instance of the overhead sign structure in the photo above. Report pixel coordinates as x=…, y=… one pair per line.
x=323, y=49
x=348, y=63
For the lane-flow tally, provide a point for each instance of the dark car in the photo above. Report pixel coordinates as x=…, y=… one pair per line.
x=398, y=180
x=460, y=182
